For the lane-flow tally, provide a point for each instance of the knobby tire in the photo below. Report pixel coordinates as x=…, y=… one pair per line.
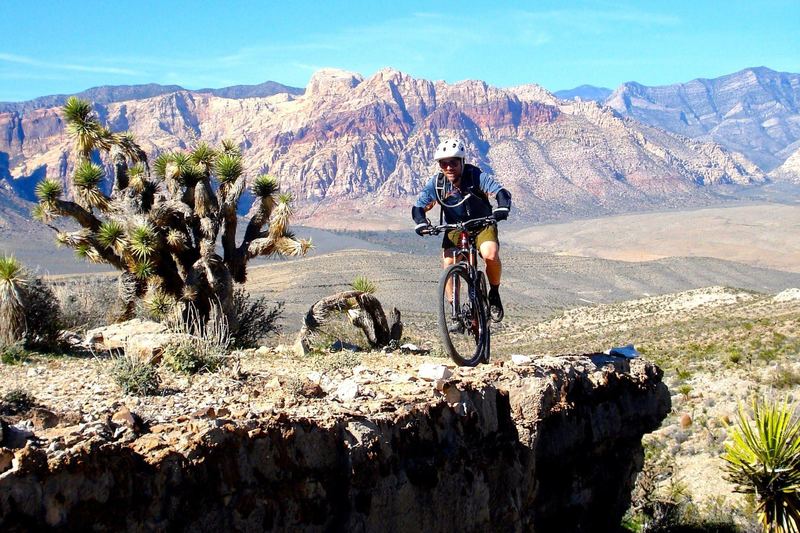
x=470, y=347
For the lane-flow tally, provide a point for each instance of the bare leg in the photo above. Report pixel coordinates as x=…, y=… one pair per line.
x=491, y=256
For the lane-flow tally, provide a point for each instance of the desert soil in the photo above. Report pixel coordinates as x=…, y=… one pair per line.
x=763, y=235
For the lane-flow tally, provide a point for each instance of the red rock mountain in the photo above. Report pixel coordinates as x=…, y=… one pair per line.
x=350, y=144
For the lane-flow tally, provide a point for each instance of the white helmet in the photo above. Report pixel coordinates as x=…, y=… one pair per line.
x=452, y=147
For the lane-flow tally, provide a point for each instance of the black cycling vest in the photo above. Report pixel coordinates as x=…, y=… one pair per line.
x=476, y=206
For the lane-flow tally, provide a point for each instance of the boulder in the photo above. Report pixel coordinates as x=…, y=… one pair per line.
x=116, y=336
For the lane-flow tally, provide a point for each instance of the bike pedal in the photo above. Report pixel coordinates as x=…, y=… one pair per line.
x=457, y=327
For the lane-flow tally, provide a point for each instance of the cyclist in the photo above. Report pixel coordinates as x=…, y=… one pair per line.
x=462, y=190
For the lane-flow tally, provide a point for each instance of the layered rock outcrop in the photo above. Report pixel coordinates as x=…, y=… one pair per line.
x=365, y=144
x=755, y=111
x=552, y=446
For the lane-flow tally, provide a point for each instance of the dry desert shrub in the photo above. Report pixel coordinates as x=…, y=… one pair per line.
x=135, y=376
x=42, y=316
x=257, y=318
x=201, y=344
x=86, y=303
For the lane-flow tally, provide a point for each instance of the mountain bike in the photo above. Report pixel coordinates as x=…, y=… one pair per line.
x=463, y=304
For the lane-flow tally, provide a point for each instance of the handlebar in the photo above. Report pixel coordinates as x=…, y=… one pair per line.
x=467, y=225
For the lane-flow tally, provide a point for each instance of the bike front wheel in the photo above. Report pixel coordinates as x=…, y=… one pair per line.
x=463, y=323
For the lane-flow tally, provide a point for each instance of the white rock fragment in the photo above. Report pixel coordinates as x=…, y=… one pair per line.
x=262, y=351
x=347, y=390
x=521, y=360
x=431, y=372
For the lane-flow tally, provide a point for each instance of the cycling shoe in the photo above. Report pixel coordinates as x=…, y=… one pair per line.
x=496, y=312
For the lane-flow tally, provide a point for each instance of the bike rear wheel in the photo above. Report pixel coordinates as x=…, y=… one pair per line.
x=463, y=323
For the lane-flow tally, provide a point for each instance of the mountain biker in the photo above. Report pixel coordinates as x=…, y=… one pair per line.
x=463, y=192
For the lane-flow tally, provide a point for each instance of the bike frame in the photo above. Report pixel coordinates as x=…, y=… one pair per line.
x=466, y=316
x=467, y=250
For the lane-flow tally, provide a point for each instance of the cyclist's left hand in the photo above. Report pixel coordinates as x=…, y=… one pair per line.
x=500, y=213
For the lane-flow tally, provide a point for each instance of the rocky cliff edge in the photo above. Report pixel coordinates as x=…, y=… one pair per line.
x=552, y=444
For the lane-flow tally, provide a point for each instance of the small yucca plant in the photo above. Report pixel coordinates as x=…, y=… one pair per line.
x=13, y=280
x=363, y=284
x=764, y=459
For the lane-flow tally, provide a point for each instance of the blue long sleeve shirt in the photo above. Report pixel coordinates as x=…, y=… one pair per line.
x=473, y=182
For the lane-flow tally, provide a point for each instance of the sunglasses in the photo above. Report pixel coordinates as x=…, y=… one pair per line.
x=449, y=163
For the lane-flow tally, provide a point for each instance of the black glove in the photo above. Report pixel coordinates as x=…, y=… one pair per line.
x=503, y=205
x=421, y=227
x=500, y=213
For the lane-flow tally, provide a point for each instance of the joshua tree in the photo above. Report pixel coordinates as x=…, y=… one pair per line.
x=12, y=308
x=160, y=228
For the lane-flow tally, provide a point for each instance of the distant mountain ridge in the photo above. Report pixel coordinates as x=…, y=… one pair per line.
x=585, y=92
x=351, y=144
x=755, y=111
x=268, y=88
x=107, y=94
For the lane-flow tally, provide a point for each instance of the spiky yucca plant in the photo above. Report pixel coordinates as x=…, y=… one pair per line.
x=363, y=284
x=160, y=226
x=12, y=308
x=764, y=459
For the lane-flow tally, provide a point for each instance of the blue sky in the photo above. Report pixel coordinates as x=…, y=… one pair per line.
x=51, y=46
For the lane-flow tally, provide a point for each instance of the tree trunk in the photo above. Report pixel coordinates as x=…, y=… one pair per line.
x=364, y=311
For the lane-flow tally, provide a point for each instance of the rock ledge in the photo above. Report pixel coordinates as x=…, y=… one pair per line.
x=550, y=446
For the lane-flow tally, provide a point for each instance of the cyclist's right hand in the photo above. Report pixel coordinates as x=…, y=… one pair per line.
x=423, y=228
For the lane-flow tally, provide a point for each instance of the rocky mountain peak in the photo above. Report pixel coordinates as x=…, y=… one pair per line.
x=531, y=92
x=332, y=81
x=789, y=170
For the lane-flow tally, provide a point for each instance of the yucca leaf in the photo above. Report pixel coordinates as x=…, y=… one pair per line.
x=12, y=271
x=159, y=304
x=191, y=174
x=82, y=251
x=48, y=190
x=42, y=213
x=128, y=145
x=764, y=459
x=87, y=175
x=111, y=234
x=12, y=309
x=230, y=147
x=136, y=170
x=265, y=185
x=160, y=164
x=77, y=110
x=143, y=269
x=228, y=168
x=204, y=156
x=363, y=284
x=176, y=240
x=143, y=240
